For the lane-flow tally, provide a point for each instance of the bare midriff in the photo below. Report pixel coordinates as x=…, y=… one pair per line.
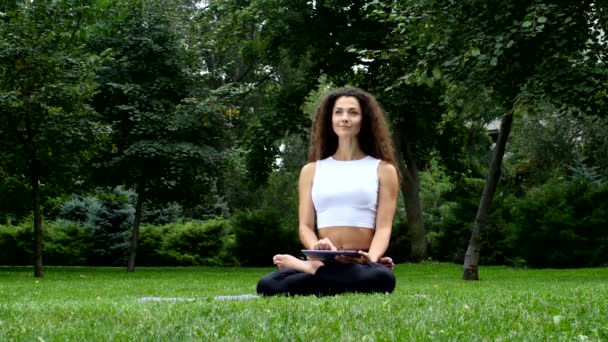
x=356, y=238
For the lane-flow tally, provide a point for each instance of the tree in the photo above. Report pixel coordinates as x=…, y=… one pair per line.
x=520, y=52
x=165, y=131
x=48, y=129
x=550, y=146
x=276, y=79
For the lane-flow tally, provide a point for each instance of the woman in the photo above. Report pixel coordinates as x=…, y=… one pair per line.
x=351, y=183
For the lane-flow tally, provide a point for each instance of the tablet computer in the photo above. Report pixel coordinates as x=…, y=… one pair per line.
x=324, y=254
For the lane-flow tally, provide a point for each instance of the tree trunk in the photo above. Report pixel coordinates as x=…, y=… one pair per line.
x=135, y=233
x=410, y=187
x=35, y=181
x=471, y=258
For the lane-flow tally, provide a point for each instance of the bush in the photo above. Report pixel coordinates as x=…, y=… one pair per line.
x=17, y=244
x=196, y=243
x=451, y=225
x=108, y=218
x=159, y=215
x=150, y=246
x=66, y=243
x=563, y=224
x=16, y=201
x=259, y=236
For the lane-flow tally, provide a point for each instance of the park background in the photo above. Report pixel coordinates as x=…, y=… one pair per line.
x=179, y=127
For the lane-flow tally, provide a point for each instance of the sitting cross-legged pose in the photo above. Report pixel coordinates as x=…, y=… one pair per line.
x=350, y=184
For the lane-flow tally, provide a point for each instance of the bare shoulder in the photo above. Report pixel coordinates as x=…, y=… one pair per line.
x=308, y=171
x=387, y=169
x=387, y=172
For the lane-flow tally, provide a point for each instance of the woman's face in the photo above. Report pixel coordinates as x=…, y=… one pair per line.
x=346, y=116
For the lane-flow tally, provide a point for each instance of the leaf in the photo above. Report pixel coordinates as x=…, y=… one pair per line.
x=542, y=20
x=526, y=24
x=436, y=73
x=494, y=61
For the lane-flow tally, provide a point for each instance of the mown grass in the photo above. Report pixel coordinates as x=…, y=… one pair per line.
x=430, y=303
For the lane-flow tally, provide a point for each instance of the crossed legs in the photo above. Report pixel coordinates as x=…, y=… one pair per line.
x=326, y=279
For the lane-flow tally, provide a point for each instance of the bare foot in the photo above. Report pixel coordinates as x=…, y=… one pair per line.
x=291, y=262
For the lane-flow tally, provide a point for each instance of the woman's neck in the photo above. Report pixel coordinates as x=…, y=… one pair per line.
x=348, y=149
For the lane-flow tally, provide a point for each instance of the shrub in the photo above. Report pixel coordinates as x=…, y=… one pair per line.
x=259, y=236
x=563, y=224
x=452, y=224
x=66, y=243
x=160, y=215
x=63, y=243
x=16, y=244
x=196, y=243
x=150, y=246
x=108, y=218
x=16, y=201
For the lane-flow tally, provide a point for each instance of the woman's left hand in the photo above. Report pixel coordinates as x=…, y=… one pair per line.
x=363, y=258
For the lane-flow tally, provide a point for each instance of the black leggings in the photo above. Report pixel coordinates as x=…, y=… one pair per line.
x=330, y=279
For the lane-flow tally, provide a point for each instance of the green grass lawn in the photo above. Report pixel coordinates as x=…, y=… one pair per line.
x=430, y=303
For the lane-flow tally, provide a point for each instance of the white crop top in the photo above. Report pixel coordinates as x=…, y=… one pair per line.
x=345, y=193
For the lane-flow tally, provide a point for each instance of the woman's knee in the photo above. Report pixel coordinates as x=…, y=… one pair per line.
x=268, y=286
x=382, y=278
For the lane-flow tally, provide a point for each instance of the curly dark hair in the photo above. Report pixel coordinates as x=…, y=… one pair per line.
x=374, y=137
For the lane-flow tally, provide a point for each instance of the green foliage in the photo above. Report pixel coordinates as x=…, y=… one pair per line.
x=547, y=146
x=263, y=83
x=516, y=50
x=108, y=215
x=449, y=210
x=281, y=194
x=450, y=224
x=16, y=201
x=259, y=235
x=67, y=243
x=107, y=218
x=562, y=223
x=150, y=250
x=71, y=243
x=48, y=128
x=197, y=243
x=16, y=244
x=164, y=134
x=270, y=211
x=160, y=215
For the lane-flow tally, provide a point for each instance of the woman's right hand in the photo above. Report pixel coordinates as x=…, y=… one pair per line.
x=324, y=244
x=386, y=261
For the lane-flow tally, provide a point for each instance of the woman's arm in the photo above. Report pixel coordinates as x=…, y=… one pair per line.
x=306, y=210
x=387, y=203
